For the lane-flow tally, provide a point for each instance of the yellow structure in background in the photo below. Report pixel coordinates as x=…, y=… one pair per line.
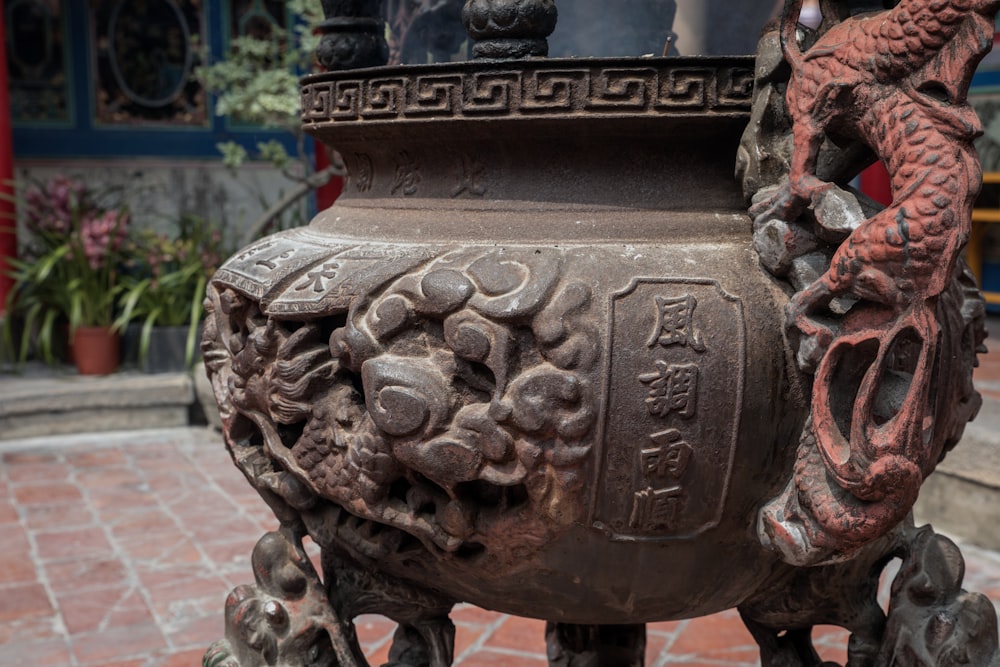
x=974, y=250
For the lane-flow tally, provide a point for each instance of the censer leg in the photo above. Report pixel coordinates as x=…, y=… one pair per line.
x=429, y=644
x=286, y=618
x=290, y=618
x=792, y=648
x=425, y=636
x=932, y=621
x=569, y=645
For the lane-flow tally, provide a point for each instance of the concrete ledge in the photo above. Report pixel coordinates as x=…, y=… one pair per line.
x=52, y=405
x=962, y=497
x=961, y=508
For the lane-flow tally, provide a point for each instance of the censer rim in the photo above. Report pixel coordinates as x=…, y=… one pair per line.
x=531, y=64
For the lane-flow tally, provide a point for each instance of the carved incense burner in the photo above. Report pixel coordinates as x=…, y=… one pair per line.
x=536, y=357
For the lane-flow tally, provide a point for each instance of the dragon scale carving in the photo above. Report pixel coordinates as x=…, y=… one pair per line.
x=896, y=82
x=452, y=405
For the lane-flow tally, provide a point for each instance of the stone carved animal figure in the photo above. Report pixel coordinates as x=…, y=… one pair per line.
x=936, y=623
x=285, y=617
x=848, y=83
x=896, y=81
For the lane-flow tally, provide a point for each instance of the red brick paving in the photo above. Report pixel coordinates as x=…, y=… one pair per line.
x=119, y=551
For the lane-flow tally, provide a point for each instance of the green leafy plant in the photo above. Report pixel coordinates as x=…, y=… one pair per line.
x=164, y=285
x=68, y=271
x=35, y=307
x=256, y=83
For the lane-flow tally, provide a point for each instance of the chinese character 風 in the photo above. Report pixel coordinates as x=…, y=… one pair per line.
x=675, y=323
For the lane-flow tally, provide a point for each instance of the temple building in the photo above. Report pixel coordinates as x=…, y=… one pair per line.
x=104, y=89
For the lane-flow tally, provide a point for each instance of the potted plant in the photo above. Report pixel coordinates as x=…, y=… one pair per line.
x=163, y=290
x=67, y=276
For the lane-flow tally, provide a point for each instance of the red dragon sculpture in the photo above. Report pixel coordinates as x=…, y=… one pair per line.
x=897, y=82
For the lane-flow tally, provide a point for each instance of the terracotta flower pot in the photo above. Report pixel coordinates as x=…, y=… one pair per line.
x=96, y=350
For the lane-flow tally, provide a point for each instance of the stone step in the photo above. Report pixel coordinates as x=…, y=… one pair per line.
x=39, y=401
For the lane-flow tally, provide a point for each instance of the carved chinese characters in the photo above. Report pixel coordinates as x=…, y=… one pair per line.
x=407, y=177
x=663, y=464
x=670, y=343
x=675, y=323
x=672, y=388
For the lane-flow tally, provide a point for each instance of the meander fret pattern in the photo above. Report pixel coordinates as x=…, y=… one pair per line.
x=529, y=92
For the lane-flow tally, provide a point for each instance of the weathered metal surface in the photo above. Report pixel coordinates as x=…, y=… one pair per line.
x=536, y=357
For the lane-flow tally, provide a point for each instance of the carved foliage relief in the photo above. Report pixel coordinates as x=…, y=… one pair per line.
x=448, y=394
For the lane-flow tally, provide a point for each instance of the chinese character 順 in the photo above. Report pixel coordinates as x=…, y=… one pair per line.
x=656, y=508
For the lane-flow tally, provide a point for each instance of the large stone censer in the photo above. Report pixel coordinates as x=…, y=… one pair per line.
x=538, y=357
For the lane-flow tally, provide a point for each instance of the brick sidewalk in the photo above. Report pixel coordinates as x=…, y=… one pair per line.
x=119, y=551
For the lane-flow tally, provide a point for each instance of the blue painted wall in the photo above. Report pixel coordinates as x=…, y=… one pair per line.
x=82, y=137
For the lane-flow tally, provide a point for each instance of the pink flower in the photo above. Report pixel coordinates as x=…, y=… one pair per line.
x=52, y=210
x=101, y=235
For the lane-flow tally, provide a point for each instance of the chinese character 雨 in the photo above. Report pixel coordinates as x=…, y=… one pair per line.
x=672, y=388
x=669, y=459
x=656, y=508
x=675, y=323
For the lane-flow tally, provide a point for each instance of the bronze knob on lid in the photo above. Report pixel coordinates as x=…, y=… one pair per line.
x=353, y=35
x=510, y=29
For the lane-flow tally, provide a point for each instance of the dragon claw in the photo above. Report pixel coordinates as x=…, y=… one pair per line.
x=782, y=205
x=812, y=339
